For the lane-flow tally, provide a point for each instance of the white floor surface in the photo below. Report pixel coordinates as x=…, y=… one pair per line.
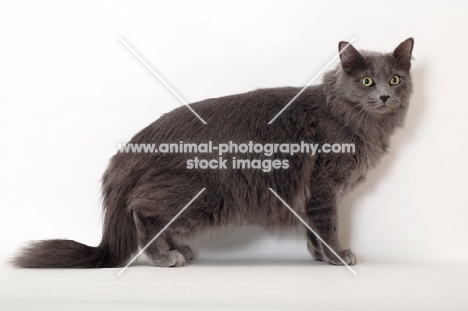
x=239, y=285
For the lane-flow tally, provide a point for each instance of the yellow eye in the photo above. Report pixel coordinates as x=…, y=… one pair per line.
x=366, y=81
x=395, y=80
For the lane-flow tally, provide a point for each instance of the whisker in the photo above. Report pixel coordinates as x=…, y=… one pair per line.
x=356, y=129
x=349, y=120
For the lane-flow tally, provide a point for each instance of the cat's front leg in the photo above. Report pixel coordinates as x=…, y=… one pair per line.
x=321, y=211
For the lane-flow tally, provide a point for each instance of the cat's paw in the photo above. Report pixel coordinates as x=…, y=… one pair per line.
x=171, y=259
x=347, y=256
x=186, y=252
x=176, y=259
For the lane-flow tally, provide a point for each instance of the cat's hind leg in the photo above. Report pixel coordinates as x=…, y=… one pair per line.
x=161, y=251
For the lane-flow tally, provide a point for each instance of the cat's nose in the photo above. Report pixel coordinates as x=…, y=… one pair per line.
x=384, y=98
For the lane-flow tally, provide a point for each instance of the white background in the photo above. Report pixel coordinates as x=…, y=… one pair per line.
x=70, y=92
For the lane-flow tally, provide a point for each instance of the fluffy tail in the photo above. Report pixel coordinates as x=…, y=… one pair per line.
x=62, y=254
x=118, y=243
x=113, y=251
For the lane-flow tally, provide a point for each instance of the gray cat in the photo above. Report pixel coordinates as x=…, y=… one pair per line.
x=362, y=101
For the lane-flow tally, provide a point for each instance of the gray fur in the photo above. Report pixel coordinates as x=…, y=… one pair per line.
x=143, y=192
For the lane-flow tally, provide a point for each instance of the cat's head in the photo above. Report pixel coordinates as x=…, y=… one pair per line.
x=379, y=83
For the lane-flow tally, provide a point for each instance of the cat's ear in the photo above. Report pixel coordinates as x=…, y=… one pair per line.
x=402, y=54
x=351, y=59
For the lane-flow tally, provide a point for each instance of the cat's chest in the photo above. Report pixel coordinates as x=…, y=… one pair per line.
x=367, y=157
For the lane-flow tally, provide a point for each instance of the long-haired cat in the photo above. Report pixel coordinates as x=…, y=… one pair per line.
x=362, y=101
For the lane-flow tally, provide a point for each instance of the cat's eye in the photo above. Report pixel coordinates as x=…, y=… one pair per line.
x=395, y=80
x=366, y=81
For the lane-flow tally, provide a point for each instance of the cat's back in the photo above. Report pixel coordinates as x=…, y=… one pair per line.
x=239, y=116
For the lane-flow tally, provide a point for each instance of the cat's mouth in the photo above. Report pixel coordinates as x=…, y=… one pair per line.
x=383, y=108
